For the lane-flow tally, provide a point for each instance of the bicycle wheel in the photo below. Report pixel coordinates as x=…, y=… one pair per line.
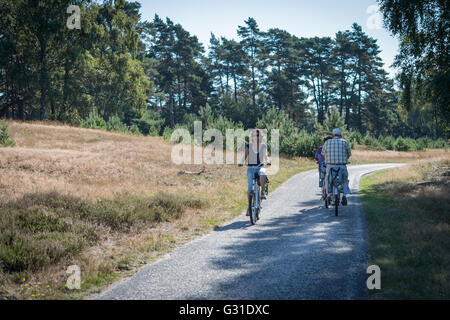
x=336, y=205
x=253, y=208
x=258, y=208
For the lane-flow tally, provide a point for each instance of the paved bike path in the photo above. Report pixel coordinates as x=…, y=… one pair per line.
x=298, y=250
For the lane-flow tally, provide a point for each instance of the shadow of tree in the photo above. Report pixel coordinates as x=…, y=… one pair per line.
x=292, y=257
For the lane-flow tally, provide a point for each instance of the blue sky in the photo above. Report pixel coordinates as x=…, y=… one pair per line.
x=304, y=18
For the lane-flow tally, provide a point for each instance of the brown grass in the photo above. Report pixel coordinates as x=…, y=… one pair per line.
x=368, y=156
x=91, y=165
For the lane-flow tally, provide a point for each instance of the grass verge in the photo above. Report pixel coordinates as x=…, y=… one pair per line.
x=44, y=231
x=408, y=221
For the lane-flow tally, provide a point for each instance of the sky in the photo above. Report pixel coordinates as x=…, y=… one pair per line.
x=303, y=18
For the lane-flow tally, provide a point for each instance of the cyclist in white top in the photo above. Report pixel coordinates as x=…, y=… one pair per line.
x=256, y=152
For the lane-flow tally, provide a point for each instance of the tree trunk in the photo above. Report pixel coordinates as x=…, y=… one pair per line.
x=171, y=111
x=43, y=82
x=235, y=87
x=253, y=86
x=65, y=89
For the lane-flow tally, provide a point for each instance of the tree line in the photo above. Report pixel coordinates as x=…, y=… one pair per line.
x=144, y=72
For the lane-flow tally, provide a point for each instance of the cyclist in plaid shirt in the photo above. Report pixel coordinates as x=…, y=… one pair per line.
x=337, y=151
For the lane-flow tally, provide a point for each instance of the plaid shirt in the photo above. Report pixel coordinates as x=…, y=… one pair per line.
x=337, y=151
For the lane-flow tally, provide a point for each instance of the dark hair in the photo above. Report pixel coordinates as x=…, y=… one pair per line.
x=327, y=138
x=259, y=133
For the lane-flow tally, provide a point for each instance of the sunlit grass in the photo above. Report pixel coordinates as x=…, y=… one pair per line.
x=408, y=221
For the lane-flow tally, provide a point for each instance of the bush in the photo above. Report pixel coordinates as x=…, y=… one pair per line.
x=209, y=121
x=114, y=124
x=402, y=144
x=307, y=144
x=32, y=238
x=43, y=229
x=439, y=144
x=93, y=121
x=167, y=133
x=354, y=138
x=387, y=142
x=5, y=139
x=332, y=120
x=277, y=119
x=372, y=142
x=189, y=120
x=292, y=141
x=135, y=129
x=150, y=123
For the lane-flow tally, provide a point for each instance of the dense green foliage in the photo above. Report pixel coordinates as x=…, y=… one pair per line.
x=150, y=77
x=423, y=29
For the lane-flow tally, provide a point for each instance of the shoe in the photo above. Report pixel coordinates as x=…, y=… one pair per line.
x=344, y=201
x=263, y=195
x=248, y=213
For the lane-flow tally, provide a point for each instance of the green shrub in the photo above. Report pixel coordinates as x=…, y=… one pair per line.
x=354, y=137
x=402, y=144
x=388, y=142
x=370, y=141
x=189, y=120
x=93, y=121
x=115, y=124
x=292, y=141
x=209, y=121
x=150, y=123
x=307, y=144
x=412, y=143
x=135, y=129
x=332, y=120
x=277, y=119
x=5, y=139
x=167, y=133
x=439, y=144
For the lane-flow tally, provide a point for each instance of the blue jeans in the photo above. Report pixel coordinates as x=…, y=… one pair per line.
x=346, y=189
x=251, y=173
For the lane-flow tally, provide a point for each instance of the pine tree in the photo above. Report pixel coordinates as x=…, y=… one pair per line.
x=5, y=139
x=332, y=120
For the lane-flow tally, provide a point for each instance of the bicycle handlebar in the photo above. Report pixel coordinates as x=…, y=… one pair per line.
x=257, y=166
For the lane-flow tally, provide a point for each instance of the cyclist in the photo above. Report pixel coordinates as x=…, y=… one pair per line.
x=337, y=151
x=320, y=160
x=256, y=152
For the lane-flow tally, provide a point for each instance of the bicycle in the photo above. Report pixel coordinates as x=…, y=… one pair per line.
x=322, y=174
x=255, y=197
x=335, y=183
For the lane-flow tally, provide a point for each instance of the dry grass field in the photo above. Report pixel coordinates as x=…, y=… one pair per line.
x=107, y=202
x=388, y=156
x=110, y=203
